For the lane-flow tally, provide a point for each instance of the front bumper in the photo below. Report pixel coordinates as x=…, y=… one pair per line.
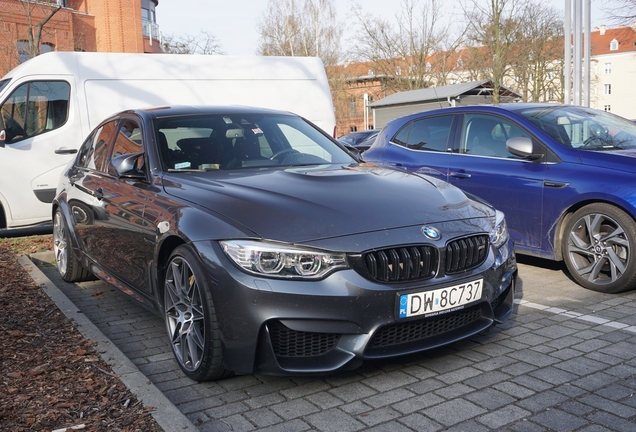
x=316, y=327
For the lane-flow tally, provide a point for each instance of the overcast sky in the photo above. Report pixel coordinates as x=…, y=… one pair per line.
x=234, y=23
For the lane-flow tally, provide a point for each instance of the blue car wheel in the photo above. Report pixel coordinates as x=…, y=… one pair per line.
x=598, y=248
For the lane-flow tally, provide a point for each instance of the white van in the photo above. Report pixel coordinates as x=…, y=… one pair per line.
x=51, y=102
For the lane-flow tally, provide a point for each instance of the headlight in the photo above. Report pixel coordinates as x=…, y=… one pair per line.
x=499, y=234
x=281, y=261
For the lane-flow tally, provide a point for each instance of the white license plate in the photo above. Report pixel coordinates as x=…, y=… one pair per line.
x=439, y=300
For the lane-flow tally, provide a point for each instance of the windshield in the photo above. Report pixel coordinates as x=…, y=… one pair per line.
x=583, y=128
x=235, y=141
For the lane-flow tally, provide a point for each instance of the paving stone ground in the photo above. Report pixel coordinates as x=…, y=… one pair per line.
x=565, y=361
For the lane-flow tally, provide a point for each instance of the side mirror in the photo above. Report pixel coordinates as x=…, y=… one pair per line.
x=127, y=166
x=523, y=147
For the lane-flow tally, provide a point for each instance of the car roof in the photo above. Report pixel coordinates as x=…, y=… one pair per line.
x=180, y=110
x=511, y=107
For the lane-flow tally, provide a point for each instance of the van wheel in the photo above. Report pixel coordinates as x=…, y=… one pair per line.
x=190, y=317
x=600, y=248
x=69, y=267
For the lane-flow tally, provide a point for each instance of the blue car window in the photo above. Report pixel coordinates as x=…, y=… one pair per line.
x=428, y=134
x=486, y=135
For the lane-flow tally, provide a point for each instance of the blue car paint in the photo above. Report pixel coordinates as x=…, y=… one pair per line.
x=535, y=196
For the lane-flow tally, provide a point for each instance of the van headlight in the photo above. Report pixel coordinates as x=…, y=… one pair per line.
x=282, y=261
x=499, y=234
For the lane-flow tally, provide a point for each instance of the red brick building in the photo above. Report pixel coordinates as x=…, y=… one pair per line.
x=76, y=25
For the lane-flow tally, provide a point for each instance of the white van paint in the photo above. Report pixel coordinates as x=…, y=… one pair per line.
x=105, y=83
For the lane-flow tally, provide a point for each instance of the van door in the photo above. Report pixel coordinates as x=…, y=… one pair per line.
x=38, y=138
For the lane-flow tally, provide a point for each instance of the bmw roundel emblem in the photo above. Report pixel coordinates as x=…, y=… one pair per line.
x=431, y=233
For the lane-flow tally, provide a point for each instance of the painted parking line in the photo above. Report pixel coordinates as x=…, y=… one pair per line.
x=575, y=315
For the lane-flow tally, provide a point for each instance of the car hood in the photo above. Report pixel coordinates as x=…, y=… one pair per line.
x=304, y=204
x=618, y=160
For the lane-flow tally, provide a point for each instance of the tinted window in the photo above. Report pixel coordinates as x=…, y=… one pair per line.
x=486, y=135
x=93, y=152
x=128, y=141
x=428, y=134
x=35, y=108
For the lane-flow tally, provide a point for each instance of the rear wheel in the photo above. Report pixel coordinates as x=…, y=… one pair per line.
x=69, y=267
x=190, y=318
x=599, y=250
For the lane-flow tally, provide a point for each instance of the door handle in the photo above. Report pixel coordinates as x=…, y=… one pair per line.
x=65, y=150
x=460, y=174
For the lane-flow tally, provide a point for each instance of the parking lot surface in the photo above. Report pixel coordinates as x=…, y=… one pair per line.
x=565, y=361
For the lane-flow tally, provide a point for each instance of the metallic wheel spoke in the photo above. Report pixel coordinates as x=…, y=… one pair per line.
x=185, y=318
x=598, y=249
x=579, y=243
x=616, y=262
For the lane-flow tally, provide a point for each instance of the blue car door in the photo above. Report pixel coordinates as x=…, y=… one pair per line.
x=424, y=145
x=483, y=166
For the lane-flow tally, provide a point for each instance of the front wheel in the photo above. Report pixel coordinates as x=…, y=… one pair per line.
x=190, y=318
x=599, y=248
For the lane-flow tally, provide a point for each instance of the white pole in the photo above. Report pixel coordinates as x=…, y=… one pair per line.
x=578, y=51
x=567, y=58
x=588, y=51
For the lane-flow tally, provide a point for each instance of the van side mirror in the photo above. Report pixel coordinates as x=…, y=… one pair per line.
x=523, y=147
x=126, y=165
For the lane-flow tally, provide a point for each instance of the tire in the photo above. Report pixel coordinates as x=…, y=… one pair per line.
x=190, y=318
x=599, y=249
x=67, y=264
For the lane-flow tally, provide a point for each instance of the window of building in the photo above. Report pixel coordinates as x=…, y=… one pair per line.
x=352, y=107
x=398, y=70
x=608, y=89
x=428, y=67
x=613, y=45
x=370, y=73
x=608, y=68
x=607, y=108
x=23, y=51
x=460, y=64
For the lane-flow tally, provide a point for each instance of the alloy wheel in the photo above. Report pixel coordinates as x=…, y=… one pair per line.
x=184, y=314
x=598, y=249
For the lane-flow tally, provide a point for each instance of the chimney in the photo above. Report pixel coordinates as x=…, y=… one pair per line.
x=602, y=29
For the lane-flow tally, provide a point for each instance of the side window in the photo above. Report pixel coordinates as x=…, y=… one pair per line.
x=486, y=135
x=128, y=141
x=35, y=108
x=93, y=152
x=427, y=134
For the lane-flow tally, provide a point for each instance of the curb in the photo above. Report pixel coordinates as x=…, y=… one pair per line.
x=165, y=413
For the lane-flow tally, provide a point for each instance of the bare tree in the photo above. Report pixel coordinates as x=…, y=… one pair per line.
x=205, y=43
x=494, y=31
x=622, y=11
x=301, y=28
x=414, y=49
x=538, y=63
x=34, y=30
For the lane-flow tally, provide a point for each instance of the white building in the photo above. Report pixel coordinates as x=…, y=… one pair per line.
x=613, y=73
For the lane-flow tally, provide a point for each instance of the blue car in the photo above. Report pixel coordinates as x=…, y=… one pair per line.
x=565, y=177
